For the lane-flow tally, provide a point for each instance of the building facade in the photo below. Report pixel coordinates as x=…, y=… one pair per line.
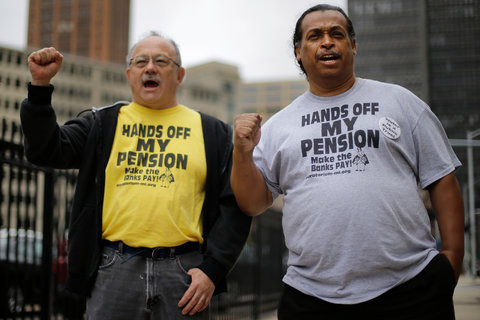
x=97, y=29
x=454, y=64
x=267, y=98
x=211, y=88
x=391, y=42
x=80, y=84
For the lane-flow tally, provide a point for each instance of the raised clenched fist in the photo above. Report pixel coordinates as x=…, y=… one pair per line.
x=44, y=65
x=247, y=132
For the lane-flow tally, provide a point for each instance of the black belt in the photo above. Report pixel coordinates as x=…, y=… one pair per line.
x=154, y=253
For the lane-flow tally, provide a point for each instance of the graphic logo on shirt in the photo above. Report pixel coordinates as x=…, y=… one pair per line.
x=340, y=146
x=360, y=160
x=166, y=178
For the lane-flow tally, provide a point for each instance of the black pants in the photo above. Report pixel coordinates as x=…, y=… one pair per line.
x=429, y=295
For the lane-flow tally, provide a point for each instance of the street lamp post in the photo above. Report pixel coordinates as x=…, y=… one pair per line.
x=471, y=200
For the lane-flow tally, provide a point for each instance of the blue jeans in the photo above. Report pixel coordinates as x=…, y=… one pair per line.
x=132, y=287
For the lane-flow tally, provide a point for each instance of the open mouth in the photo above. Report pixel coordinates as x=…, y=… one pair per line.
x=150, y=84
x=151, y=81
x=329, y=57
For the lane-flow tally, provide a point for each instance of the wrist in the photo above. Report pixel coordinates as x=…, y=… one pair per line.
x=40, y=83
x=242, y=156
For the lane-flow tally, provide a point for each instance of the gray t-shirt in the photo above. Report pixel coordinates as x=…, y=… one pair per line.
x=348, y=167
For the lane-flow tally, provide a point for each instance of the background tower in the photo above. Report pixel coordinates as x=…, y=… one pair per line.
x=97, y=29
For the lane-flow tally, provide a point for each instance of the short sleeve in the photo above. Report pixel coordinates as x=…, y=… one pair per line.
x=435, y=155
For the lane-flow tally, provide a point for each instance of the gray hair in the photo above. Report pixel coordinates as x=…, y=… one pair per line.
x=155, y=34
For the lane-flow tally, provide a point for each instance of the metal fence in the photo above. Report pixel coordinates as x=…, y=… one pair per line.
x=34, y=216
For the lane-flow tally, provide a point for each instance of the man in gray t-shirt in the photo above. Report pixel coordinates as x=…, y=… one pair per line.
x=348, y=156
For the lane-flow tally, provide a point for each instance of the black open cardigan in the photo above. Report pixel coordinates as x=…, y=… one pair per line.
x=85, y=143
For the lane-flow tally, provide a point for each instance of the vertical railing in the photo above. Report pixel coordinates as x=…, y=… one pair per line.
x=48, y=193
x=24, y=256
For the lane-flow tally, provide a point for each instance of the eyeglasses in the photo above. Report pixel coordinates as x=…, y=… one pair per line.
x=160, y=60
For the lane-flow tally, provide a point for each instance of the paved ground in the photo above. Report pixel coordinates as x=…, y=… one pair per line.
x=269, y=316
x=466, y=299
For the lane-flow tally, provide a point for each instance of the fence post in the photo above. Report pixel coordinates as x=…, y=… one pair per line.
x=48, y=202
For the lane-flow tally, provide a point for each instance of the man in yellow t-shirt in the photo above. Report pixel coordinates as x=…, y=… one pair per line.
x=155, y=227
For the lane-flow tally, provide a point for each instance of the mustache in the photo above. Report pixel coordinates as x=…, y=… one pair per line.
x=153, y=77
x=333, y=52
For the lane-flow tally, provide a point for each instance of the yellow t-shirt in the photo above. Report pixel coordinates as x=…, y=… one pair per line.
x=155, y=178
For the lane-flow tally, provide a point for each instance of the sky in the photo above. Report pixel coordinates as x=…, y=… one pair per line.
x=254, y=35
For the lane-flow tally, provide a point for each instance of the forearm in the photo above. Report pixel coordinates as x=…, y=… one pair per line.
x=46, y=143
x=249, y=186
x=448, y=207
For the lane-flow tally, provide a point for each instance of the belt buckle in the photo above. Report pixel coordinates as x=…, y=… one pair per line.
x=172, y=252
x=154, y=251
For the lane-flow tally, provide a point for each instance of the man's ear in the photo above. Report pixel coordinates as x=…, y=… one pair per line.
x=127, y=72
x=180, y=75
x=354, y=47
x=297, y=54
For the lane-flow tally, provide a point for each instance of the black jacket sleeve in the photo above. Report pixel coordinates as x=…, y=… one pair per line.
x=46, y=143
x=226, y=226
